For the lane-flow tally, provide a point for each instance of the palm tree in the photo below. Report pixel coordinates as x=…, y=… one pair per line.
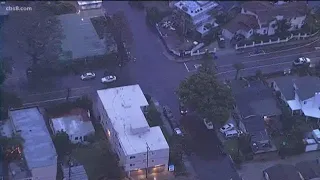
x=238, y=66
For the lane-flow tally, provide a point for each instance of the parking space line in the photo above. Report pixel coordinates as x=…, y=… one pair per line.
x=185, y=65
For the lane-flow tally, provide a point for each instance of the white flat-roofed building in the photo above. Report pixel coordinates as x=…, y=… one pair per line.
x=78, y=128
x=121, y=115
x=89, y=4
x=38, y=149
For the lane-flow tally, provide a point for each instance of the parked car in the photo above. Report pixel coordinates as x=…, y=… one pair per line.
x=183, y=109
x=108, y=79
x=302, y=61
x=87, y=76
x=208, y=123
x=226, y=127
x=178, y=131
x=233, y=134
x=221, y=42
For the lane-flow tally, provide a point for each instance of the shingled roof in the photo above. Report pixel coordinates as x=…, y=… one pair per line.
x=307, y=86
x=267, y=11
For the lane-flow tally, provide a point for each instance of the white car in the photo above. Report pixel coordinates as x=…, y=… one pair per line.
x=208, y=123
x=178, y=131
x=87, y=76
x=108, y=79
x=301, y=61
x=226, y=128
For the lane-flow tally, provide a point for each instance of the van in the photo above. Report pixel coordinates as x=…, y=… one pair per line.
x=231, y=134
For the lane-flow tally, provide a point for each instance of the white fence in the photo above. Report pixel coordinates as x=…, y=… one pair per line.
x=297, y=37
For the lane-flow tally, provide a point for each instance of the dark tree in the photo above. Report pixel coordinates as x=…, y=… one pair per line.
x=204, y=93
x=38, y=33
x=62, y=143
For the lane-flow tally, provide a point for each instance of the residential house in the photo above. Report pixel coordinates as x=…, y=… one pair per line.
x=268, y=13
x=309, y=169
x=120, y=111
x=244, y=24
x=197, y=14
x=77, y=127
x=283, y=172
x=40, y=157
x=255, y=105
x=301, y=94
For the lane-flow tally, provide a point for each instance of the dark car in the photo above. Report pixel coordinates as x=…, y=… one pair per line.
x=183, y=109
x=221, y=42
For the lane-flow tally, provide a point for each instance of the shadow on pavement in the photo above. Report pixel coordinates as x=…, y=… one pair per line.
x=202, y=142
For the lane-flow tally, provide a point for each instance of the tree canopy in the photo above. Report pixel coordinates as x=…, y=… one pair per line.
x=38, y=33
x=62, y=143
x=206, y=95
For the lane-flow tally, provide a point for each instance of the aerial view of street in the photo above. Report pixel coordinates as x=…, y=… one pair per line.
x=162, y=90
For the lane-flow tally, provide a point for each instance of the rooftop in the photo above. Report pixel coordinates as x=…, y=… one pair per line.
x=255, y=125
x=81, y=39
x=309, y=169
x=267, y=11
x=285, y=85
x=76, y=173
x=72, y=125
x=38, y=148
x=123, y=106
x=18, y=170
x=256, y=99
x=242, y=22
x=283, y=172
x=193, y=8
x=307, y=86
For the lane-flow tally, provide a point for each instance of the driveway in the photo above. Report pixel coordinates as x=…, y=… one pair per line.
x=206, y=156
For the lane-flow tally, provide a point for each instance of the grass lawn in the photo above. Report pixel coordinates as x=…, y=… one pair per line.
x=231, y=146
x=98, y=161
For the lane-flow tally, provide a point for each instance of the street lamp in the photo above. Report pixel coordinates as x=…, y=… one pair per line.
x=148, y=148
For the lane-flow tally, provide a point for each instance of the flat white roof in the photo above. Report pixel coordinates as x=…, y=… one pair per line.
x=38, y=148
x=294, y=104
x=193, y=8
x=82, y=3
x=123, y=106
x=72, y=125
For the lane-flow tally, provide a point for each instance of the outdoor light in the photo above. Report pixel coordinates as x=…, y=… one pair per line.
x=81, y=19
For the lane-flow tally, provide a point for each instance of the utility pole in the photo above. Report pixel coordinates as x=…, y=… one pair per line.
x=68, y=94
x=148, y=148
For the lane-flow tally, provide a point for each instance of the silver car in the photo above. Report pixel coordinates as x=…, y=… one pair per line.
x=87, y=76
x=301, y=61
x=108, y=79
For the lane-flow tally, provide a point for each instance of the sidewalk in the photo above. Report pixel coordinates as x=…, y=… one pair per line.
x=192, y=175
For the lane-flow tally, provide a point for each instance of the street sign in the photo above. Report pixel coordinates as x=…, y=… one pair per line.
x=171, y=168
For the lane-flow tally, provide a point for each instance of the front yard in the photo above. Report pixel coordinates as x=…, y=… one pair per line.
x=98, y=160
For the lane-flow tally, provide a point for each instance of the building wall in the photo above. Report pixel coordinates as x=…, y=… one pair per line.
x=140, y=161
x=296, y=23
x=80, y=137
x=45, y=173
x=137, y=161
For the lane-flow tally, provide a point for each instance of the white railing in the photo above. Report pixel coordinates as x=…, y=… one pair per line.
x=299, y=36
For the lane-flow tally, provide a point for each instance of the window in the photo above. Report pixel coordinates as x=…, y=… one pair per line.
x=80, y=137
x=265, y=31
x=132, y=157
x=76, y=138
x=132, y=165
x=85, y=138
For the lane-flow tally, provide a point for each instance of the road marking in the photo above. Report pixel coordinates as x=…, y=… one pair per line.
x=52, y=92
x=50, y=100
x=266, y=59
x=293, y=48
x=185, y=65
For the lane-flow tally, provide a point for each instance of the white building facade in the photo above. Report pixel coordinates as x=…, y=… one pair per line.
x=138, y=146
x=197, y=13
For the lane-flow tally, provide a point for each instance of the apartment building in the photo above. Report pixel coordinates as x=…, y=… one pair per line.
x=138, y=146
x=40, y=157
x=197, y=13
